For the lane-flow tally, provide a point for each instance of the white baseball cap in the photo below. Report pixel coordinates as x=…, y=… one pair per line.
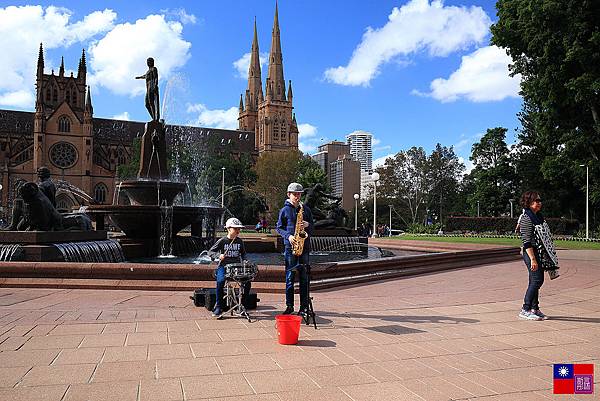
x=295, y=187
x=233, y=223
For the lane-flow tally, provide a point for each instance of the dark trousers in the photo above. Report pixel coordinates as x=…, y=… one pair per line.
x=536, y=279
x=220, y=276
x=292, y=264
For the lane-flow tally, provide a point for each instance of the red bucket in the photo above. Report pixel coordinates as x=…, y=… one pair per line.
x=288, y=328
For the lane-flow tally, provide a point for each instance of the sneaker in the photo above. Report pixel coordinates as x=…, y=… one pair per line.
x=217, y=313
x=528, y=315
x=288, y=311
x=539, y=313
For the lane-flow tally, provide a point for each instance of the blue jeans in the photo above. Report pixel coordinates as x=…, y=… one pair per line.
x=220, y=277
x=536, y=279
x=293, y=263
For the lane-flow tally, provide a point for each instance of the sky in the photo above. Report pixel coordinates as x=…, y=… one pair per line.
x=412, y=73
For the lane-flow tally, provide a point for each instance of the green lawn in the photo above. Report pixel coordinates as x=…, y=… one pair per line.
x=498, y=241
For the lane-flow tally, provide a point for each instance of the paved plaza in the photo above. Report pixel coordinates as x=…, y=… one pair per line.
x=446, y=336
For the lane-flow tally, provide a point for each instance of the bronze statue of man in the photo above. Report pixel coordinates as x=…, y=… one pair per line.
x=152, y=96
x=46, y=185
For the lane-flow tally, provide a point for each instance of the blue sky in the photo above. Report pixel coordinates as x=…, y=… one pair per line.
x=410, y=72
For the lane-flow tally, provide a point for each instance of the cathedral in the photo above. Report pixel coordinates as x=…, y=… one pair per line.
x=83, y=152
x=269, y=116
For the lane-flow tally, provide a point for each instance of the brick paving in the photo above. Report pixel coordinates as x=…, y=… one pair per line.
x=445, y=336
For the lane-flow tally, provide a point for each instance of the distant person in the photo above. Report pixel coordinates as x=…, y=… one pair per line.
x=258, y=227
x=532, y=204
x=264, y=224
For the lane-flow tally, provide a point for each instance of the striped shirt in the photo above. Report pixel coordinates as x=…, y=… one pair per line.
x=527, y=231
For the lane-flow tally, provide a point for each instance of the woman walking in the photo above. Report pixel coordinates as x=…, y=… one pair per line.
x=532, y=204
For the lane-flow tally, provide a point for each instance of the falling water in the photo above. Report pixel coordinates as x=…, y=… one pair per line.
x=9, y=252
x=107, y=251
x=166, y=231
x=336, y=244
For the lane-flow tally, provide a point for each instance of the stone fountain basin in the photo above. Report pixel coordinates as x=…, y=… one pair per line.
x=146, y=192
x=138, y=221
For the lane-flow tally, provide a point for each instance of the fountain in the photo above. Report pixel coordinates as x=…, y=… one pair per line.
x=151, y=221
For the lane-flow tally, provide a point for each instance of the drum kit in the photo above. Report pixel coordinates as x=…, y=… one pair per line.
x=237, y=279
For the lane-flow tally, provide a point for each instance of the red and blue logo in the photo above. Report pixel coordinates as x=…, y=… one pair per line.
x=573, y=378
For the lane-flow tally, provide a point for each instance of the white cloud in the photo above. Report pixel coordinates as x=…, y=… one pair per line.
x=465, y=141
x=380, y=161
x=123, y=116
x=242, y=65
x=22, y=29
x=226, y=119
x=418, y=26
x=180, y=14
x=307, y=138
x=482, y=76
x=121, y=55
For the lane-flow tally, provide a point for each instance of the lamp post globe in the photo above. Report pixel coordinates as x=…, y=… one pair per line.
x=375, y=178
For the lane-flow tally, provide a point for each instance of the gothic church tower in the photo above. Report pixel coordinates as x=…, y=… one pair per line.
x=269, y=116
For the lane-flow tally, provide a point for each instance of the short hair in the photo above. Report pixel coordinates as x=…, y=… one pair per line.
x=528, y=197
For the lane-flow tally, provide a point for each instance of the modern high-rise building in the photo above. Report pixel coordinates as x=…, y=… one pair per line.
x=343, y=172
x=361, y=149
x=344, y=176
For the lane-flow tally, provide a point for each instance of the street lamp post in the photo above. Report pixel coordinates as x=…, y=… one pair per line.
x=222, y=193
x=511, y=207
x=477, y=208
x=587, y=200
x=356, y=197
x=375, y=177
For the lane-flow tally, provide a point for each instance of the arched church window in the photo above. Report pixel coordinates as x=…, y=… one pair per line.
x=64, y=124
x=54, y=94
x=100, y=192
x=121, y=157
x=69, y=97
x=48, y=94
x=74, y=98
x=64, y=203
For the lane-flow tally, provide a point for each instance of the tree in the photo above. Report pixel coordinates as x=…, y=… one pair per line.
x=404, y=179
x=554, y=47
x=444, y=170
x=493, y=174
x=130, y=169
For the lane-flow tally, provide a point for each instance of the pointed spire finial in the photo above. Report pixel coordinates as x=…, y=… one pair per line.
x=40, y=62
x=241, y=104
x=81, y=71
x=61, y=70
x=88, y=101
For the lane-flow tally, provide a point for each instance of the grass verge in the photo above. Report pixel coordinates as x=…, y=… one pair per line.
x=561, y=244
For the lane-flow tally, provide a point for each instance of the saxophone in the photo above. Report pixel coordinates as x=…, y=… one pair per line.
x=299, y=234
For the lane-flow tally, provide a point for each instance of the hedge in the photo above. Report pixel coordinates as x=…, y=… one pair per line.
x=503, y=225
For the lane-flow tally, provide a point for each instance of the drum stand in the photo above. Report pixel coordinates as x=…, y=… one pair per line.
x=234, y=301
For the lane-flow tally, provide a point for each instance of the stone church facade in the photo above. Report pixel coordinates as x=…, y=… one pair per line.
x=269, y=114
x=83, y=152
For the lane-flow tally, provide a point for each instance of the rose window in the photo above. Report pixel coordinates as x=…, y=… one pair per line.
x=63, y=155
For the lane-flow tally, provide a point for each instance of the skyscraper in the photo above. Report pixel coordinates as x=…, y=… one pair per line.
x=361, y=150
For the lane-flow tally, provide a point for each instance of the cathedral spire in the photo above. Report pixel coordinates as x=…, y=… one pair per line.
x=275, y=75
x=290, y=95
x=254, y=74
x=241, y=108
x=40, y=62
x=81, y=71
x=61, y=71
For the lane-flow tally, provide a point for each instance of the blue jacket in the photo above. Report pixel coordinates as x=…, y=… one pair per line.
x=286, y=224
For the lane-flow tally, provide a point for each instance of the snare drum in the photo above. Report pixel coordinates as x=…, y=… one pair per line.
x=241, y=271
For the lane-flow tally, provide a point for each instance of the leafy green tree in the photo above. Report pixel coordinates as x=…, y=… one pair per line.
x=444, y=170
x=493, y=174
x=554, y=47
x=130, y=169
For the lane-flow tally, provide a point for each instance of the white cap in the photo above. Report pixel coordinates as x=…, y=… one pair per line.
x=233, y=223
x=295, y=187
